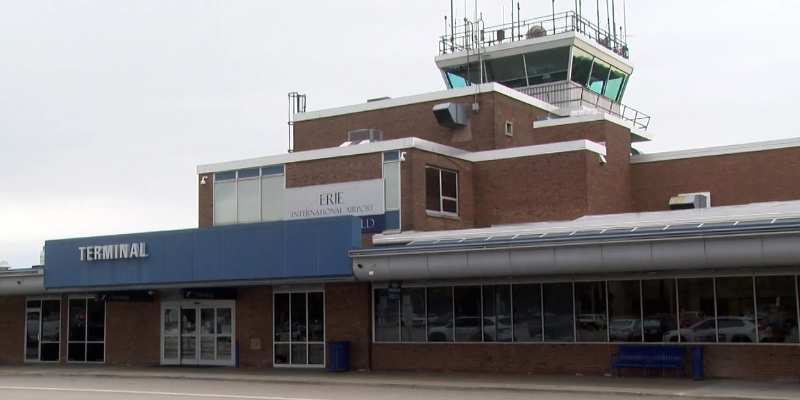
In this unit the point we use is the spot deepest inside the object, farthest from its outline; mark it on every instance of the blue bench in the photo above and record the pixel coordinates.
(649, 356)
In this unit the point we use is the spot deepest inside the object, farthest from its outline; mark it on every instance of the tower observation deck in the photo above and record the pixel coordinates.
(562, 59)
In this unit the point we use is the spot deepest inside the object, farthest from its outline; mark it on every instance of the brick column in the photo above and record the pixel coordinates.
(347, 317)
(254, 326)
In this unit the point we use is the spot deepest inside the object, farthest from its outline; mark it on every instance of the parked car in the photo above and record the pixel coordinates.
(467, 329)
(731, 329)
(625, 330)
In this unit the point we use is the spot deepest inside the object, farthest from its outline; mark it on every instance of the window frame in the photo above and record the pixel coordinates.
(442, 198)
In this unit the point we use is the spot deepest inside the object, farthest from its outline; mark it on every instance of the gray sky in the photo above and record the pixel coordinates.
(107, 107)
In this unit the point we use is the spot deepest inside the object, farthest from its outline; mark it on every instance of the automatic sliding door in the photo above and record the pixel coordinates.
(189, 336)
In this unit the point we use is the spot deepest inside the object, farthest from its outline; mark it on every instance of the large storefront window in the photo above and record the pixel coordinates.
(87, 330)
(747, 309)
(43, 330)
(299, 326)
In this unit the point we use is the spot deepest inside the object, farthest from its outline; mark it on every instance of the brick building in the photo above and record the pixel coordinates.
(505, 224)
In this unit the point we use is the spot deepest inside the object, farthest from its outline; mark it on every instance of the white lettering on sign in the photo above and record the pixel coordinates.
(113, 251)
(347, 198)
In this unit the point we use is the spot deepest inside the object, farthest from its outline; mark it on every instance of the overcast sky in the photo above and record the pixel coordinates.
(107, 107)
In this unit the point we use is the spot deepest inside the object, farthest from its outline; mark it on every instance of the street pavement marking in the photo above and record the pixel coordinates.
(218, 396)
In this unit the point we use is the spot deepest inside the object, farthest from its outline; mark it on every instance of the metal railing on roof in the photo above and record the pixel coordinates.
(471, 35)
(570, 94)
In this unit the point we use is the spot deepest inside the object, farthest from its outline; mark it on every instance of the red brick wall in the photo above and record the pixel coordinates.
(562, 359)
(133, 333)
(485, 129)
(205, 203)
(348, 316)
(334, 170)
(529, 189)
(609, 184)
(747, 362)
(254, 321)
(12, 329)
(732, 179)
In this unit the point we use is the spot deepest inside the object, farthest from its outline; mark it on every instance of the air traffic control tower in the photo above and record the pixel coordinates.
(562, 59)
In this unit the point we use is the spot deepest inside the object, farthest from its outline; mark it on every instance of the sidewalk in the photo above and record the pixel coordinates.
(632, 385)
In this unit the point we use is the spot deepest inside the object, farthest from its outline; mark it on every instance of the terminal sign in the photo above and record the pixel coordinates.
(113, 251)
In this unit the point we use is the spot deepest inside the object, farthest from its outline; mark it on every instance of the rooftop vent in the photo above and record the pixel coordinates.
(690, 200)
(535, 32)
(4, 265)
(450, 115)
(378, 99)
(361, 136)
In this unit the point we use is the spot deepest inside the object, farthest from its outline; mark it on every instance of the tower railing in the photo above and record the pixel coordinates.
(472, 36)
(570, 94)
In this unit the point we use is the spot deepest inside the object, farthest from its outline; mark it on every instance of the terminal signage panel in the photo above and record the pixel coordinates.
(130, 296)
(361, 198)
(220, 293)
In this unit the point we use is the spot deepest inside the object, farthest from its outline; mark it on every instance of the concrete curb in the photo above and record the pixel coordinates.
(401, 385)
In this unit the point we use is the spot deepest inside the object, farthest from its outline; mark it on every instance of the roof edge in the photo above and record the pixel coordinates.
(406, 143)
(717, 150)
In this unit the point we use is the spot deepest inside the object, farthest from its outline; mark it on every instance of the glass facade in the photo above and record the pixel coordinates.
(597, 75)
(744, 309)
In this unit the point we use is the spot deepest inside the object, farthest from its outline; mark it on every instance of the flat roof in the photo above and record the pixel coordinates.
(405, 143)
(727, 216)
(717, 150)
(426, 97)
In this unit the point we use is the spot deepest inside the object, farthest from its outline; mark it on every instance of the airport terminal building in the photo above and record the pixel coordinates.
(505, 224)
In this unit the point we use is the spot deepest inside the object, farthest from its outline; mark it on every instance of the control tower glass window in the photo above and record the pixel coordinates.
(463, 75)
(547, 66)
(581, 66)
(508, 71)
(613, 88)
(599, 77)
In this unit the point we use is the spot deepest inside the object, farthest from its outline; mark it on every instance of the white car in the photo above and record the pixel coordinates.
(494, 329)
(731, 329)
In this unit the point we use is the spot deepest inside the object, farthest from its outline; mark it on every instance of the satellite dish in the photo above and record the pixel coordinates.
(535, 32)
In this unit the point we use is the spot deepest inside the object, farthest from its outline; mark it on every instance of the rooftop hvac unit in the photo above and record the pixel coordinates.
(4, 265)
(690, 200)
(361, 135)
(450, 115)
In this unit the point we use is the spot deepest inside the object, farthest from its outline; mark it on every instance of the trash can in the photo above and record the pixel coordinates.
(697, 363)
(338, 356)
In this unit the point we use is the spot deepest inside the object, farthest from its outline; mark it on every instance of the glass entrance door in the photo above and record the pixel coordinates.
(299, 326)
(197, 333)
(43, 330)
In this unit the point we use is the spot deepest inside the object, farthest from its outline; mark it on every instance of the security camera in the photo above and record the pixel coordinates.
(203, 181)
(372, 272)
(403, 156)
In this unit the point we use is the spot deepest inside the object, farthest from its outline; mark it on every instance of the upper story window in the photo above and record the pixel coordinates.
(249, 195)
(441, 190)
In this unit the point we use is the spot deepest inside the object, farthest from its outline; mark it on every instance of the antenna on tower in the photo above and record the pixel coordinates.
(297, 104)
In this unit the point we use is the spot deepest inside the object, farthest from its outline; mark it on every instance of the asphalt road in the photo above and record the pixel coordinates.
(93, 388)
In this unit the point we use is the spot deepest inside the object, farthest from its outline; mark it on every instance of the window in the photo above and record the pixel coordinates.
(87, 330)
(509, 129)
(614, 86)
(527, 305)
(224, 201)
(763, 309)
(249, 195)
(272, 198)
(509, 71)
(391, 189)
(599, 76)
(581, 66)
(441, 190)
(590, 305)
(624, 311)
(547, 66)
(696, 300)
(659, 309)
(558, 312)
